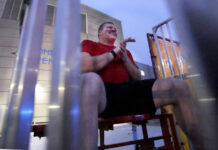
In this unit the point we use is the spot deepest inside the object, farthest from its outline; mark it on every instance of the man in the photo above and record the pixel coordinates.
(111, 86)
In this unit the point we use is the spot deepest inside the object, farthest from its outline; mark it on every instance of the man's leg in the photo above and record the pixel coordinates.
(93, 101)
(177, 93)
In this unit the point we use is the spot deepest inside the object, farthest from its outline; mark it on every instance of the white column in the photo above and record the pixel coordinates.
(18, 122)
(65, 128)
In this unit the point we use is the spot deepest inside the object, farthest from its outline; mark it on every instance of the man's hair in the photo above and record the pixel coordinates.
(102, 26)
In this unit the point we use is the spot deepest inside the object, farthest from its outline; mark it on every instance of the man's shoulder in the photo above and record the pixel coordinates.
(88, 42)
(89, 46)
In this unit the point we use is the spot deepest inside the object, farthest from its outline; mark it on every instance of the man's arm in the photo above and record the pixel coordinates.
(131, 68)
(95, 63)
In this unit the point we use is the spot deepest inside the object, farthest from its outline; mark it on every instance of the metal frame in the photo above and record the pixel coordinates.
(155, 29)
(65, 127)
(167, 52)
(167, 126)
(18, 120)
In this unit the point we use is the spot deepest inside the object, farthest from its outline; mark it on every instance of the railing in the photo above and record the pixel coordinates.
(155, 29)
(171, 54)
(65, 86)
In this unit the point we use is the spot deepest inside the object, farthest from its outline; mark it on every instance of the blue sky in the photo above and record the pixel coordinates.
(137, 18)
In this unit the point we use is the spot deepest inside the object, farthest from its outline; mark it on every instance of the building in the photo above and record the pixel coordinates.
(146, 71)
(11, 18)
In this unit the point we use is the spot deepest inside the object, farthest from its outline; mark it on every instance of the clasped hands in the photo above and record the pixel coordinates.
(121, 49)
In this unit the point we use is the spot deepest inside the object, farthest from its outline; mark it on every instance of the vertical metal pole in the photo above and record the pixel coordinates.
(12, 9)
(174, 50)
(167, 52)
(134, 134)
(20, 10)
(65, 127)
(18, 121)
(159, 53)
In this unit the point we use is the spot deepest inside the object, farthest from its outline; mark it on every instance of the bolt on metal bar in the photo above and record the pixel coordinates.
(65, 127)
(174, 50)
(18, 120)
(167, 52)
(159, 53)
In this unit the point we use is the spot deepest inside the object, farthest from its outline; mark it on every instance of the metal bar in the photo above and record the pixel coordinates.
(102, 137)
(17, 124)
(174, 133)
(161, 24)
(12, 9)
(165, 132)
(134, 134)
(153, 58)
(159, 53)
(65, 127)
(131, 142)
(174, 50)
(171, 41)
(167, 52)
(20, 9)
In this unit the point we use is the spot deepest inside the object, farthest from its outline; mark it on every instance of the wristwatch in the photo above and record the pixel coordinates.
(113, 53)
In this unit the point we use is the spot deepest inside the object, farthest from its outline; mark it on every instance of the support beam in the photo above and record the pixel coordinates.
(65, 127)
(18, 120)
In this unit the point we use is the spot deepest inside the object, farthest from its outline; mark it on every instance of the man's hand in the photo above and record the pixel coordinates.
(129, 39)
(129, 65)
(121, 49)
(123, 54)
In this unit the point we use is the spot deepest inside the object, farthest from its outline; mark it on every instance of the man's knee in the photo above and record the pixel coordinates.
(92, 80)
(93, 90)
(180, 88)
(169, 91)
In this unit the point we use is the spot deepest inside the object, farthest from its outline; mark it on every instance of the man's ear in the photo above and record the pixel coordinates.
(99, 34)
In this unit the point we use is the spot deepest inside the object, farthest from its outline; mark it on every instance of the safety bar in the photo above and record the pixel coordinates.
(159, 53)
(65, 127)
(167, 52)
(161, 24)
(166, 49)
(155, 29)
(18, 120)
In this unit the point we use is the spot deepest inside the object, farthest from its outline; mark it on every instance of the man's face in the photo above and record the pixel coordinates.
(109, 32)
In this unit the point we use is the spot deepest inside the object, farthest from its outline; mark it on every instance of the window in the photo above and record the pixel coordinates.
(50, 18)
(83, 23)
(50, 15)
(142, 72)
(12, 9)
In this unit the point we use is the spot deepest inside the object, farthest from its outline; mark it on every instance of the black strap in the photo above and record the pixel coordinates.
(113, 53)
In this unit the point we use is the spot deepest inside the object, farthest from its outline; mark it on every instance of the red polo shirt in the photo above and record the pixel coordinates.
(115, 71)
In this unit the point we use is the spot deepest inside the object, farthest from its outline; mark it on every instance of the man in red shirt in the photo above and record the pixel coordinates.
(112, 87)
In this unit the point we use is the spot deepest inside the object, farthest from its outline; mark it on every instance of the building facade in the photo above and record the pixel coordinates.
(11, 18)
(146, 71)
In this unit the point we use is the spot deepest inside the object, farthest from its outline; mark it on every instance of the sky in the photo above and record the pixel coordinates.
(137, 18)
